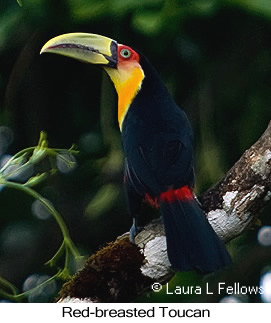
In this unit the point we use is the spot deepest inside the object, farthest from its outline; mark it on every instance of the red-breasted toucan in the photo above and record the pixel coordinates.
(158, 145)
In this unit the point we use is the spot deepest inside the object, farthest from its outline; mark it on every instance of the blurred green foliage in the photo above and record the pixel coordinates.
(215, 57)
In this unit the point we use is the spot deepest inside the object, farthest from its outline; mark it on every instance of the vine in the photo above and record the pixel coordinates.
(17, 164)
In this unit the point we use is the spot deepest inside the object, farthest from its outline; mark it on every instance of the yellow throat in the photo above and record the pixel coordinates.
(127, 79)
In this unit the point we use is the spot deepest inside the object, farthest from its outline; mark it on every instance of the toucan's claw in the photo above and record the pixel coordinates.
(134, 231)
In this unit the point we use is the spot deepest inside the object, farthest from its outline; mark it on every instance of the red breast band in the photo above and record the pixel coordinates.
(180, 194)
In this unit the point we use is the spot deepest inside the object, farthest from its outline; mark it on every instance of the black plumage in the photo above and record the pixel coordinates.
(158, 144)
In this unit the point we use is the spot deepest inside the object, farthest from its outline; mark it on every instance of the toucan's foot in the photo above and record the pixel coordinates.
(134, 231)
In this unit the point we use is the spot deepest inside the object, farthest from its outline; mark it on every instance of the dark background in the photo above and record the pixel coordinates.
(214, 56)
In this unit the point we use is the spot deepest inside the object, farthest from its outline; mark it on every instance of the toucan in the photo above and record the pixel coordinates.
(157, 141)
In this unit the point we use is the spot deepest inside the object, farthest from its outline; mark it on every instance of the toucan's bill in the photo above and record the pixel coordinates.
(89, 48)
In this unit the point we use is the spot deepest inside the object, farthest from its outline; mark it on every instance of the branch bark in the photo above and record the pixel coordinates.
(121, 271)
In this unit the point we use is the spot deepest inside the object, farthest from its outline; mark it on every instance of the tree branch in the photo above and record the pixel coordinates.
(121, 271)
(234, 203)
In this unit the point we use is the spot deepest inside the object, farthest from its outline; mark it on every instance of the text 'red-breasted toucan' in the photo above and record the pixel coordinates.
(158, 145)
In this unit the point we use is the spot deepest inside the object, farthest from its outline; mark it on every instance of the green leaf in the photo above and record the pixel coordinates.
(92, 10)
(262, 7)
(36, 179)
(103, 200)
(147, 22)
(20, 3)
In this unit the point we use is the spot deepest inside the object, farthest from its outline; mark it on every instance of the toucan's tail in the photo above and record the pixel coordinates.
(192, 243)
